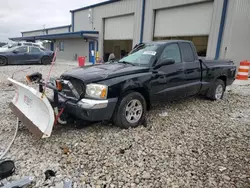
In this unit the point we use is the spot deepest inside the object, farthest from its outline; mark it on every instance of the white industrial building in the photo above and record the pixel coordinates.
(218, 28)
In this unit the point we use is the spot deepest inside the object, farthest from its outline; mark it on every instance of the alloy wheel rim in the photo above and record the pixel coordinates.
(133, 111)
(219, 92)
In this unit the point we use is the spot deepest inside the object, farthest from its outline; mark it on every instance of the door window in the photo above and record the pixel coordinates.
(22, 49)
(172, 51)
(34, 50)
(187, 52)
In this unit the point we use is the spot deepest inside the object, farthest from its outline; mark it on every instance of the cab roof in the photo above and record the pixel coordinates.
(166, 41)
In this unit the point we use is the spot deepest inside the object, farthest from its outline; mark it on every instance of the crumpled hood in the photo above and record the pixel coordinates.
(102, 72)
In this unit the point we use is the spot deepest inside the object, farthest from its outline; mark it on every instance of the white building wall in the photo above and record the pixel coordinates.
(214, 30)
(236, 36)
(99, 13)
(58, 30)
(235, 41)
(34, 33)
(71, 48)
(50, 31)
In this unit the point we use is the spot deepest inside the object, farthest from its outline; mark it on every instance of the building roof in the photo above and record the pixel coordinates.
(78, 34)
(95, 5)
(59, 27)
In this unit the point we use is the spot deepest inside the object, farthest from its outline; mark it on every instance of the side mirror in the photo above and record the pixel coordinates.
(15, 52)
(163, 62)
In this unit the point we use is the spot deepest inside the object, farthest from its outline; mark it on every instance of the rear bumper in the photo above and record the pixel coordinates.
(90, 109)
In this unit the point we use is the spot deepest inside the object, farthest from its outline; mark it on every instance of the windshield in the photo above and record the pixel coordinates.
(142, 55)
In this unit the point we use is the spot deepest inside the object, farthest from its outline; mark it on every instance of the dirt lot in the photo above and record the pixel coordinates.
(197, 143)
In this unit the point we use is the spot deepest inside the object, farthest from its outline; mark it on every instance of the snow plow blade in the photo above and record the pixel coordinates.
(33, 109)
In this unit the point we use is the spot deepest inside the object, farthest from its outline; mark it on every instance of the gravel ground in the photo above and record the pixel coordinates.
(189, 143)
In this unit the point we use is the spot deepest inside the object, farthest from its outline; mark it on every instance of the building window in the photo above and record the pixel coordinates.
(61, 46)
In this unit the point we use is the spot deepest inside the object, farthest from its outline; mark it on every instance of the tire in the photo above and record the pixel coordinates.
(218, 86)
(45, 60)
(3, 61)
(122, 114)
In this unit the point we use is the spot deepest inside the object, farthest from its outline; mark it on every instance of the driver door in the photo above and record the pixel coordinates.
(168, 80)
(19, 55)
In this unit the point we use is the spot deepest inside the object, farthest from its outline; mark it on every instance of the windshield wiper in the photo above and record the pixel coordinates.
(126, 62)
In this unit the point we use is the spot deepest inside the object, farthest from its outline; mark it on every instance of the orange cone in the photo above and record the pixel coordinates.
(243, 71)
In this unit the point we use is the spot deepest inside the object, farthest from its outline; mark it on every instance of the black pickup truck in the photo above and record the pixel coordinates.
(123, 91)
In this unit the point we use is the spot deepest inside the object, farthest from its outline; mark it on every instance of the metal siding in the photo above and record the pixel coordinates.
(226, 39)
(119, 8)
(153, 5)
(81, 21)
(119, 28)
(72, 47)
(236, 38)
(56, 31)
(94, 5)
(34, 33)
(214, 31)
(191, 20)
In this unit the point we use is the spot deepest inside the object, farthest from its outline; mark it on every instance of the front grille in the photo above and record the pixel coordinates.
(73, 88)
(78, 85)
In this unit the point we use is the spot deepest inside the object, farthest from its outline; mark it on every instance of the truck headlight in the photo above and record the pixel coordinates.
(97, 91)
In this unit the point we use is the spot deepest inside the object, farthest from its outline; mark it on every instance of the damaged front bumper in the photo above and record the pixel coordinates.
(38, 112)
(89, 109)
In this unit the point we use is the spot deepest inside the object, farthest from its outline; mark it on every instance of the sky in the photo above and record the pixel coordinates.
(25, 15)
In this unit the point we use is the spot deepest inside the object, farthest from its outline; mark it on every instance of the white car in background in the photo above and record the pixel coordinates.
(11, 45)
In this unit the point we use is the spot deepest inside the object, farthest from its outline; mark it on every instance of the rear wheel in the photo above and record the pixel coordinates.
(130, 110)
(46, 60)
(3, 61)
(216, 92)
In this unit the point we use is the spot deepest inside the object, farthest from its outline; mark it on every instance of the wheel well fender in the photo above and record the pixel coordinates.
(223, 78)
(143, 91)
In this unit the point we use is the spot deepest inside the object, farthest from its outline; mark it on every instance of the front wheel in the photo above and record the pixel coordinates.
(46, 60)
(130, 110)
(216, 92)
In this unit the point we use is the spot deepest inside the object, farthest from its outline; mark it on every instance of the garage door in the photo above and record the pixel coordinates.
(119, 28)
(188, 20)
